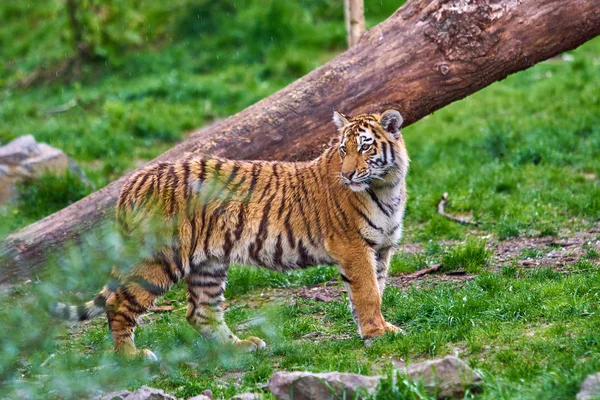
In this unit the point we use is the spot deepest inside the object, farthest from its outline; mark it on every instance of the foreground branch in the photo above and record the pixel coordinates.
(425, 56)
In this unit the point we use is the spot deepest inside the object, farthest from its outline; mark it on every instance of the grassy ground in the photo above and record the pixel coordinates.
(522, 155)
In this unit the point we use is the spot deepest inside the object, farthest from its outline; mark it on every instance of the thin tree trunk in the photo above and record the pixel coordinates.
(425, 56)
(354, 13)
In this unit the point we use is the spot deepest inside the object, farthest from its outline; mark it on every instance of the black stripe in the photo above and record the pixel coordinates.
(221, 274)
(363, 216)
(126, 317)
(382, 206)
(212, 304)
(304, 257)
(392, 152)
(100, 301)
(266, 189)
(148, 286)
(345, 278)
(173, 182)
(227, 246)
(225, 202)
(288, 230)
(209, 231)
(384, 151)
(368, 241)
(256, 169)
(341, 213)
(263, 229)
(82, 312)
(135, 305)
(240, 222)
(278, 256)
(139, 188)
(304, 219)
(193, 240)
(198, 283)
(186, 177)
(165, 263)
(281, 207)
(160, 170)
(127, 187)
(178, 261)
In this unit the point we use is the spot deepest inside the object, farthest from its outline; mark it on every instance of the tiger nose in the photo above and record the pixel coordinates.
(348, 174)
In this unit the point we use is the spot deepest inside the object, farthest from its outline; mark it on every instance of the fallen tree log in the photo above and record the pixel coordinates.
(428, 54)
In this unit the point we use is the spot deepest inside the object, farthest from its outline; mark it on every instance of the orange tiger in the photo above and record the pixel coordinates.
(344, 208)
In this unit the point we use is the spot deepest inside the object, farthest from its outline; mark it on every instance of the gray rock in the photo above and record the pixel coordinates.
(590, 389)
(245, 396)
(148, 393)
(120, 395)
(49, 160)
(331, 385)
(446, 378)
(24, 159)
(200, 397)
(18, 150)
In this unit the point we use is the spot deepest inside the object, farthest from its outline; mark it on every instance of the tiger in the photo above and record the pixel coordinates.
(344, 208)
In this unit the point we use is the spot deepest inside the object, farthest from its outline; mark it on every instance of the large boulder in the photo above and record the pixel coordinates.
(590, 390)
(24, 158)
(330, 385)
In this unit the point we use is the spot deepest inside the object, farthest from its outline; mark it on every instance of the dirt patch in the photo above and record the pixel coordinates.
(549, 251)
(556, 252)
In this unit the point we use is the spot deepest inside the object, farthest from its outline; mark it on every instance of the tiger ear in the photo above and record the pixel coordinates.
(340, 120)
(391, 121)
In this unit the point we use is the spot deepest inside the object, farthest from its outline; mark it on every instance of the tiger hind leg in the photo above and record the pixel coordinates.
(136, 293)
(206, 285)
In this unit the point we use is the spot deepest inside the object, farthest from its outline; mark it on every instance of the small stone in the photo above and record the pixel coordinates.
(309, 386)
(590, 389)
(148, 393)
(18, 150)
(120, 395)
(245, 396)
(446, 377)
(200, 397)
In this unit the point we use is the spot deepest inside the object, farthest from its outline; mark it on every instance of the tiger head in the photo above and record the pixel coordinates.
(370, 147)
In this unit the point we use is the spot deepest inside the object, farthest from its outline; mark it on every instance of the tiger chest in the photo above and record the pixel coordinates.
(382, 222)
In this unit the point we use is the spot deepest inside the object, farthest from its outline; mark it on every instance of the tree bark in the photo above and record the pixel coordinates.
(428, 54)
(354, 14)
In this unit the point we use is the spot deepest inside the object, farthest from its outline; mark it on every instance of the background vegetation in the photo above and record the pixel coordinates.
(522, 155)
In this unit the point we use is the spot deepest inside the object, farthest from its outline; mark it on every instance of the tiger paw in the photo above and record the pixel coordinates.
(392, 328)
(251, 343)
(148, 355)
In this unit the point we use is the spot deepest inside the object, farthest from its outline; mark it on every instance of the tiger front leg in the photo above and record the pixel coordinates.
(358, 269)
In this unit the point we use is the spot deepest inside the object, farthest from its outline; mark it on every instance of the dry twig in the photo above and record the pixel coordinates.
(442, 205)
(422, 272)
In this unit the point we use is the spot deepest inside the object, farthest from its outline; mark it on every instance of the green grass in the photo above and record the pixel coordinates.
(532, 334)
(523, 156)
(472, 256)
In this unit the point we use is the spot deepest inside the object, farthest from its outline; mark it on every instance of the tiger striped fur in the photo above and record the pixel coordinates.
(344, 208)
